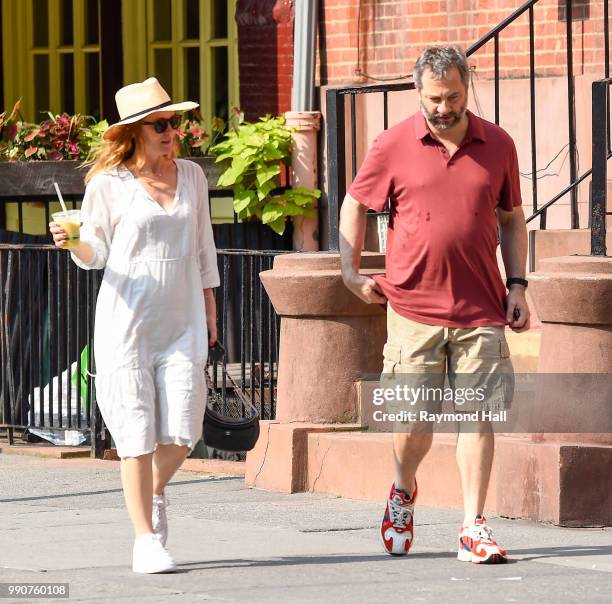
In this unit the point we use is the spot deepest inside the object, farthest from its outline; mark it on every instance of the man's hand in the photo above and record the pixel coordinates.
(517, 310)
(365, 288)
(352, 233)
(513, 243)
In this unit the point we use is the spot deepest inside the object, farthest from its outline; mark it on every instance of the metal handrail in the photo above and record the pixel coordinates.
(401, 86)
(500, 27)
(336, 120)
(565, 191)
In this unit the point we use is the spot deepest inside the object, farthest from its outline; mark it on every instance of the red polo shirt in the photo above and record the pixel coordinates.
(441, 266)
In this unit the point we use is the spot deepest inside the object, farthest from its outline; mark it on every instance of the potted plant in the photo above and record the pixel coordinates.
(62, 140)
(256, 154)
(194, 142)
(33, 156)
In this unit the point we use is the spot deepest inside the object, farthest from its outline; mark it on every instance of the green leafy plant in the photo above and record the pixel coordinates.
(256, 153)
(59, 137)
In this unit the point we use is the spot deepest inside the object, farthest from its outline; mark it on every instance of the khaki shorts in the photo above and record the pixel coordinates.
(464, 369)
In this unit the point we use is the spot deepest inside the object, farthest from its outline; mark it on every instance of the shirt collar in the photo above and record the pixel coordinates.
(475, 129)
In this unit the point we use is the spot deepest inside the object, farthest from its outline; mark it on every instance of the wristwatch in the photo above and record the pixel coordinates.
(516, 281)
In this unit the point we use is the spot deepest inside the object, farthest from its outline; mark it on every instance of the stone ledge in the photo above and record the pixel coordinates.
(562, 483)
(215, 466)
(279, 460)
(50, 451)
(361, 466)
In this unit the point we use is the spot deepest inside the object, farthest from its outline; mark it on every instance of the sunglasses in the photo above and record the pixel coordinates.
(161, 125)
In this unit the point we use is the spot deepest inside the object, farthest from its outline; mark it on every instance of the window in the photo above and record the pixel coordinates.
(51, 60)
(580, 10)
(55, 56)
(189, 45)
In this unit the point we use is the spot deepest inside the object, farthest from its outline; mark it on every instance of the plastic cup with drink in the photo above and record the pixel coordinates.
(69, 220)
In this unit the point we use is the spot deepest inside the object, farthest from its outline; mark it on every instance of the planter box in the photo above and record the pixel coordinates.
(35, 178)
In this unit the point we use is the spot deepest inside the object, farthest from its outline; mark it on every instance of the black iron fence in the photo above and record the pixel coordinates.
(47, 308)
(601, 155)
(336, 103)
(46, 328)
(250, 330)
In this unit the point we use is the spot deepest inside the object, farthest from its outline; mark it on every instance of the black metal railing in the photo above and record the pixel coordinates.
(47, 308)
(250, 331)
(601, 154)
(46, 328)
(337, 113)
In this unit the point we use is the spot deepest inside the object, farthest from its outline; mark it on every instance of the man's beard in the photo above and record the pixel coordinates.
(440, 124)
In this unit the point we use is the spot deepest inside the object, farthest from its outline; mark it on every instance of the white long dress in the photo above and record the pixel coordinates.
(150, 338)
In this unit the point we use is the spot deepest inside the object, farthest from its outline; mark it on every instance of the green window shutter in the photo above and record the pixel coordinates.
(191, 46)
(54, 52)
(51, 51)
(134, 37)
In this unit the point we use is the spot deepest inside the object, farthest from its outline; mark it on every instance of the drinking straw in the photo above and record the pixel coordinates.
(59, 195)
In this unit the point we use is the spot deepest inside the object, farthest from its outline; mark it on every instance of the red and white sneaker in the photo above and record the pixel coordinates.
(476, 544)
(396, 530)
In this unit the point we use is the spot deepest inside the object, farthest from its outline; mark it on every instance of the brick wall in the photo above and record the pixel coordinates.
(382, 38)
(265, 55)
(362, 41)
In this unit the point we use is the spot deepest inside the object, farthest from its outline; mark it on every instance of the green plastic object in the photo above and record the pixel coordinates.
(82, 383)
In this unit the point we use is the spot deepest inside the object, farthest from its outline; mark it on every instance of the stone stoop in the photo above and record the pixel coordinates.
(342, 460)
(279, 461)
(560, 483)
(361, 466)
(553, 243)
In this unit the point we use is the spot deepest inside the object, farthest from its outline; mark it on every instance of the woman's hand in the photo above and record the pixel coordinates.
(81, 250)
(212, 333)
(211, 316)
(60, 237)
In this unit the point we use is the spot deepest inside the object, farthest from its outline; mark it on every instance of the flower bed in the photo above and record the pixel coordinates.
(250, 160)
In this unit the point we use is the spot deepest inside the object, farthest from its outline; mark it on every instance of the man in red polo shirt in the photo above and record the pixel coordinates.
(451, 178)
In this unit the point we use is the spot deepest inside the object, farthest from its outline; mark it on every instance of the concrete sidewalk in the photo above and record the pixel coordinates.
(64, 521)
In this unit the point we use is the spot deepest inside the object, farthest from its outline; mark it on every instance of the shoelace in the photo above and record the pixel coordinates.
(400, 514)
(482, 532)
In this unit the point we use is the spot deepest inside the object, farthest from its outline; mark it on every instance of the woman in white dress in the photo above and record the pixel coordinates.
(145, 220)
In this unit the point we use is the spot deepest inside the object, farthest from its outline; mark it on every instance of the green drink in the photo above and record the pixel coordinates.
(70, 221)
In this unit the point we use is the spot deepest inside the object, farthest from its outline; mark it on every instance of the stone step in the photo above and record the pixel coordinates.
(525, 482)
(361, 466)
(552, 243)
(46, 450)
(525, 479)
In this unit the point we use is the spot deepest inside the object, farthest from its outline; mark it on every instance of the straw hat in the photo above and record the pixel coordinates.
(136, 101)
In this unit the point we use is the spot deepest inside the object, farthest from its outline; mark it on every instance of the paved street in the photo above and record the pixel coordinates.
(63, 520)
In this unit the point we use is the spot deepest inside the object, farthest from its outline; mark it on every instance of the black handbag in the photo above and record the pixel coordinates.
(229, 433)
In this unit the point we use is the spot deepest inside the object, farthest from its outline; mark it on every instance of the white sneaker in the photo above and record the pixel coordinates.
(159, 519)
(150, 556)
